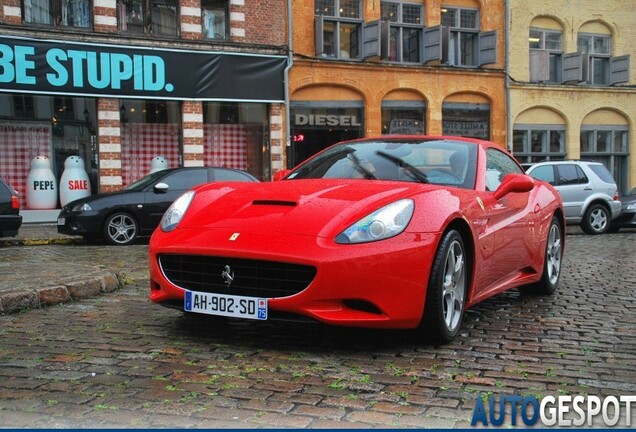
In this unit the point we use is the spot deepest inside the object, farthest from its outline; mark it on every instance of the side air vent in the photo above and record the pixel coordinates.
(275, 203)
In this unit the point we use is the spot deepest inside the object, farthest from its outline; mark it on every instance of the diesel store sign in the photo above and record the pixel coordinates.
(326, 120)
(69, 68)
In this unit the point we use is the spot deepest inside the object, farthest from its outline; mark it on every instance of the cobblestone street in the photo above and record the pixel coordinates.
(117, 360)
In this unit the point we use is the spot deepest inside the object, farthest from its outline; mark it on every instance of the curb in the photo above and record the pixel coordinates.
(41, 242)
(90, 286)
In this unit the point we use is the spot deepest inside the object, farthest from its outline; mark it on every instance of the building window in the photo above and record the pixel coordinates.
(538, 143)
(599, 48)
(610, 146)
(58, 13)
(236, 135)
(466, 119)
(463, 49)
(545, 55)
(405, 31)
(158, 17)
(149, 129)
(403, 118)
(214, 19)
(338, 27)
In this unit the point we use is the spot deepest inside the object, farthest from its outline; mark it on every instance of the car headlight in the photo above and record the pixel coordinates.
(382, 224)
(631, 207)
(175, 212)
(81, 207)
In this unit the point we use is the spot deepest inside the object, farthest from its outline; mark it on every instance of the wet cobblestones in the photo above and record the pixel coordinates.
(116, 360)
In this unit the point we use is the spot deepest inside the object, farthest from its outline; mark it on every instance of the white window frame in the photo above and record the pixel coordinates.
(528, 154)
(545, 62)
(458, 35)
(320, 19)
(400, 26)
(596, 59)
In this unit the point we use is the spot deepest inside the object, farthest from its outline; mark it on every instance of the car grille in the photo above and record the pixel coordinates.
(253, 278)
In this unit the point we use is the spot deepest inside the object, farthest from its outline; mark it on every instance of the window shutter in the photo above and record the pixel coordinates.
(385, 39)
(488, 47)
(319, 35)
(371, 39)
(539, 65)
(572, 67)
(619, 69)
(432, 44)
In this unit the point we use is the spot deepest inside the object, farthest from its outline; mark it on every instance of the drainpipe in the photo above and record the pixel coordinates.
(507, 71)
(290, 62)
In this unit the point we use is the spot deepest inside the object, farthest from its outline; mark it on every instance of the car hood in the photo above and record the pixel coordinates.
(311, 207)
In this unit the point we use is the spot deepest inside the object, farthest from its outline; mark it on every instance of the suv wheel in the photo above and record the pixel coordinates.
(596, 219)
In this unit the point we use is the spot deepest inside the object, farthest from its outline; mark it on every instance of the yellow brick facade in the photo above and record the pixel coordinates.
(574, 106)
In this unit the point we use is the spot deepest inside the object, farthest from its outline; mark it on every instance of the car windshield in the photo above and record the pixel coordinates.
(445, 162)
(143, 182)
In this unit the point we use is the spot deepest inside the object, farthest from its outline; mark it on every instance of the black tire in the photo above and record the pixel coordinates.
(120, 229)
(596, 220)
(552, 262)
(446, 293)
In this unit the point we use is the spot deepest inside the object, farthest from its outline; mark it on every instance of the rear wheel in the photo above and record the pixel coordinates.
(596, 219)
(446, 293)
(552, 262)
(120, 229)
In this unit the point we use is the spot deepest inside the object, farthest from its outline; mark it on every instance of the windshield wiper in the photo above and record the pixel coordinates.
(358, 166)
(408, 168)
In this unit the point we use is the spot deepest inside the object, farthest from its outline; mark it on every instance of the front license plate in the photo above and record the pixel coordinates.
(61, 221)
(225, 305)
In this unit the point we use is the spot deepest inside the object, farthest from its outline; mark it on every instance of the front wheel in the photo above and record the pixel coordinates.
(552, 262)
(120, 229)
(446, 293)
(596, 219)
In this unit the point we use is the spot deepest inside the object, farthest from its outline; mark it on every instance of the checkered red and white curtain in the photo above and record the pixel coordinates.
(141, 142)
(20, 143)
(225, 145)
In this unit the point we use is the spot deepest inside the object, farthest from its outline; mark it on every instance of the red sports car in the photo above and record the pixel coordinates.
(390, 232)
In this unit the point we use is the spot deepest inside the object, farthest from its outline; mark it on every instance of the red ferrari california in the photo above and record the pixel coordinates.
(390, 232)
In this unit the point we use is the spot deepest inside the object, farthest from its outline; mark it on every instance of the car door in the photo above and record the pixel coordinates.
(178, 182)
(574, 188)
(508, 221)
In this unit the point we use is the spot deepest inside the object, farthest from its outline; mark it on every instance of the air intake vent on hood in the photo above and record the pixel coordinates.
(275, 203)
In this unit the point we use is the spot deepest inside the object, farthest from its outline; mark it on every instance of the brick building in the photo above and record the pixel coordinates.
(384, 67)
(117, 82)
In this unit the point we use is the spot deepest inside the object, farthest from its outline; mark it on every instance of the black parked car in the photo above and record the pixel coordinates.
(627, 218)
(121, 217)
(10, 219)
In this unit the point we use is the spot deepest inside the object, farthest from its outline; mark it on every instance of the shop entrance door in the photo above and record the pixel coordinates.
(308, 142)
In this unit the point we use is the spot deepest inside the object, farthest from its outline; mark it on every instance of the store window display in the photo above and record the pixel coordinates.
(51, 127)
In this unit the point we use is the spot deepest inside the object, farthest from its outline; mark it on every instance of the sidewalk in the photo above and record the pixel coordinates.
(40, 267)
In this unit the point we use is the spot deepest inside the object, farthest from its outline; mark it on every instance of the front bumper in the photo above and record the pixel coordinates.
(381, 284)
(625, 220)
(79, 224)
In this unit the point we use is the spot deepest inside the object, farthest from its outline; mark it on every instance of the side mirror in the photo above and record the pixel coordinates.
(161, 188)
(281, 174)
(518, 183)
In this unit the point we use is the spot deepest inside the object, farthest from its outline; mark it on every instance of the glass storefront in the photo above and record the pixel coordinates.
(55, 127)
(470, 120)
(235, 135)
(317, 125)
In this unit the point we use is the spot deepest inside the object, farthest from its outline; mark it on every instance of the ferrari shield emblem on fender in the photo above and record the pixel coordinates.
(228, 275)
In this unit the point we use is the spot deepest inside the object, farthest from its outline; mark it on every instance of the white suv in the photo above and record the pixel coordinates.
(588, 190)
